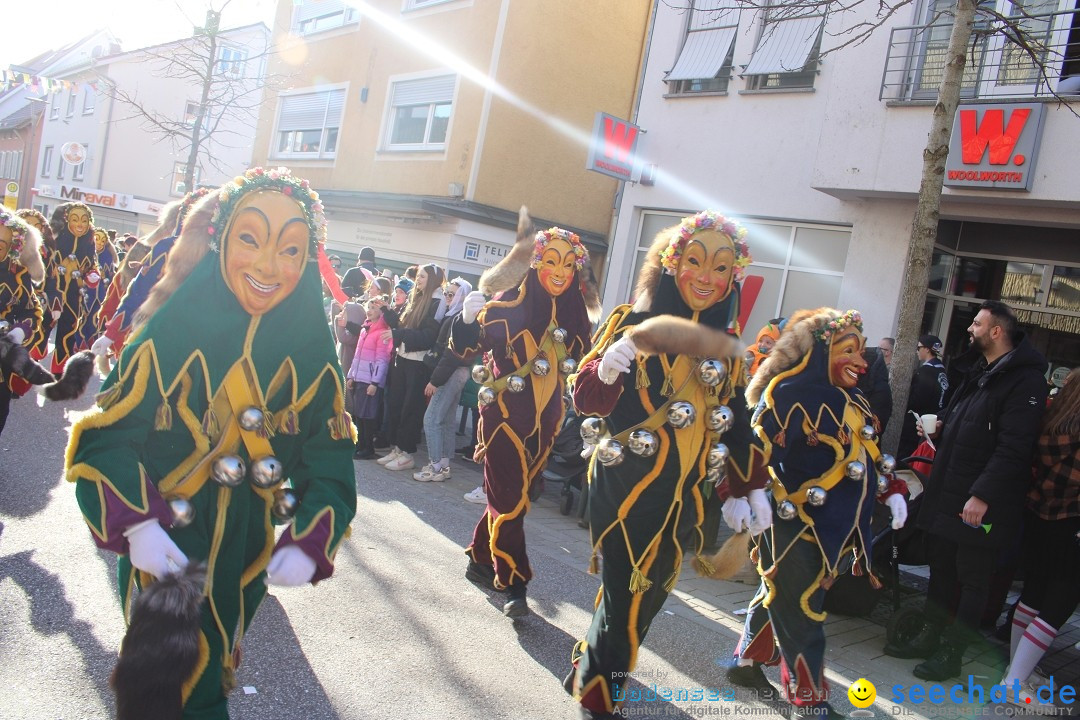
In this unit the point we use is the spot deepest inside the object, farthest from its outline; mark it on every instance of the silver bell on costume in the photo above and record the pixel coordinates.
(567, 366)
(816, 496)
(714, 475)
(786, 510)
(266, 472)
(485, 396)
(717, 456)
(480, 374)
(515, 383)
(183, 512)
(609, 452)
(882, 485)
(592, 429)
(642, 442)
(886, 464)
(285, 504)
(558, 335)
(681, 414)
(712, 372)
(228, 470)
(855, 470)
(251, 419)
(721, 418)
(867, 433)
(541, 367)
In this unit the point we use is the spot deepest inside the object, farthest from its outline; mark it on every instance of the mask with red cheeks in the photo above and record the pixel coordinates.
(557, 266)
(265, 249)
(78, 221)
(705, 269)
(846, 361)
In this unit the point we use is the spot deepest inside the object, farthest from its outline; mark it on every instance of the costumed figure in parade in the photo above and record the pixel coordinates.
(763, 344)
(107, 263)
(223, 416)
(667, 427)
(144, 276)
(826, 474)
(46, 290)
(76, 275)
(535, 328)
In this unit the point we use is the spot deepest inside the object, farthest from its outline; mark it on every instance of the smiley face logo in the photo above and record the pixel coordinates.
(862, 693)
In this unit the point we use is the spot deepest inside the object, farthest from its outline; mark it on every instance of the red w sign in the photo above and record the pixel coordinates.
(976, 138)
(613, 149)
(994, 146)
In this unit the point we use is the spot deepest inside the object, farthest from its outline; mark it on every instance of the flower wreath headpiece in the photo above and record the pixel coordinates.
(707, 220)
(546, 236)
(18, 228)
(837, 324)
(187, 203)
(280, 179)
(78, 206)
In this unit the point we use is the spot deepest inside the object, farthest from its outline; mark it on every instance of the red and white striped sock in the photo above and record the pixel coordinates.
(1022, 617)
(1033, 645)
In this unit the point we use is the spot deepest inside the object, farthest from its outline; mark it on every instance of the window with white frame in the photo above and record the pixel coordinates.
(418, 4)
(420, 113)
(317, 15)
(231, 61)
(71, 103)
(60, 165)
(54, 109)
(787, 51)
(89, 100)
(78, 171)
(308, 124)
(704, 62)
(179, 186)
(801, 264)
(191, 113)
(46, 161)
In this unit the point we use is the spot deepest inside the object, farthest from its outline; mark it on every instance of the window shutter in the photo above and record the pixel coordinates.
(318, 8)
(703, 54)
(335, 108)
(785, 46)
(424, 91)
(302, 112)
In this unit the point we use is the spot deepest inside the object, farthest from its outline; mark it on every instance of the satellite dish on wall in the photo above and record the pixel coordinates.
(73, 153)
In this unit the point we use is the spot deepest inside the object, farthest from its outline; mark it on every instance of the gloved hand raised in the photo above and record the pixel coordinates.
(471, 306)
(616, 359)
(762, 509)
(289, 567)
(898, 505)
(101, 346)
(151, 550)
(736, 512)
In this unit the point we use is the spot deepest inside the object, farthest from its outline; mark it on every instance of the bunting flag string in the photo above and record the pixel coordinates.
(40, 83)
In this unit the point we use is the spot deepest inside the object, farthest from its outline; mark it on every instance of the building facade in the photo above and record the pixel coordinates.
(426, 124)
(821, 157)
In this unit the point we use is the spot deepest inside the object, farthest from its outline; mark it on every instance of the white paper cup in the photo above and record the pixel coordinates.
(929, 424)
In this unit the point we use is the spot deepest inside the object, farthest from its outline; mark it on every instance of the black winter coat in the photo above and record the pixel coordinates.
(874, 384)
(928, 390)
(448, 361)
(986, 446)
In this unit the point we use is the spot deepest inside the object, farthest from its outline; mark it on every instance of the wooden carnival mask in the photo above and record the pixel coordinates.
(78, 221)
(846, 361)
(100, 238)
(7, 237)
(705, 269)
(557, 266)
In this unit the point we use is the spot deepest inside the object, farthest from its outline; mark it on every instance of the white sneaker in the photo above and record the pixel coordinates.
(428, 473)
(403, 461)
(477, 496)
(1028, 699)
(389, 457)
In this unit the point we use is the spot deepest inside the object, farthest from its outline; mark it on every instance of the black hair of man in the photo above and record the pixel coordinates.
(1003, 317)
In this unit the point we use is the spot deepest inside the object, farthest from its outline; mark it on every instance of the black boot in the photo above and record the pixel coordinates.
(748, 676)
(516, 606)
(482, 575)
(945, 663)
(922, 646)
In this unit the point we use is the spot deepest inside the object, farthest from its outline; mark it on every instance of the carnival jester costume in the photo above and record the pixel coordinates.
(106, 261)
(20, 267)
(47, 287)
(827, 473)
(76, 271)
(227, 393)
(661, 377)
(534, 332)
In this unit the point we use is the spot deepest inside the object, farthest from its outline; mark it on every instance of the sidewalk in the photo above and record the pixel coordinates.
(854, 647)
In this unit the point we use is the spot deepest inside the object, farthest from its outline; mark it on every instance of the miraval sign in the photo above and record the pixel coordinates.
(90, 196)
(994, 146)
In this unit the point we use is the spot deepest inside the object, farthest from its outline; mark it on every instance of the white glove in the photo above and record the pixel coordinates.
(55, 314)
(152, 550)
(17, 335)
(898, 505)
(736, 512)
(289, 567)
(101, 346)
(471, 306)
(616, 359)
(762, 510)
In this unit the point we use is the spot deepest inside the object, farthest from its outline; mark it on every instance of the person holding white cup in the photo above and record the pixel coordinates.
(929, 389)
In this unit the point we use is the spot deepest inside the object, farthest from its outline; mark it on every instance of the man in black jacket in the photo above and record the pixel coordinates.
(355, 281)
(975, 496)
(928, 391)
(874, 384)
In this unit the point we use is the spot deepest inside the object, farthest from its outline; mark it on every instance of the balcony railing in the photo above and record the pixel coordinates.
(997, 66)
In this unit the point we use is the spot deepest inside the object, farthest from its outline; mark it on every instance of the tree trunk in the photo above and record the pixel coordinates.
(196, 129)
(925, 225)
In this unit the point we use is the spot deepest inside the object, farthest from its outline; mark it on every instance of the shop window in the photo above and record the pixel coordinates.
(786, 56)
(308, 124)
(1065, 289)
(704, 62)
(420, 113)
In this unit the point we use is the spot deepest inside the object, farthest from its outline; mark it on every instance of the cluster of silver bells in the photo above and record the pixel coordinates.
(644, 443)
(516, 383)
(284, 508)
(855, 470)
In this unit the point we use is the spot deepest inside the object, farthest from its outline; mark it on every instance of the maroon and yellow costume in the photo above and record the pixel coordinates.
(19, 306)
(76, 260)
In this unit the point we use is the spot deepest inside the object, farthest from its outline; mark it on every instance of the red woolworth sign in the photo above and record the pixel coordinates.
(613, 150)
(994, 146)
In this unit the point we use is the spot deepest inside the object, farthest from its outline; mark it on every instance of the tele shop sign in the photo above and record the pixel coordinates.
(995, 146)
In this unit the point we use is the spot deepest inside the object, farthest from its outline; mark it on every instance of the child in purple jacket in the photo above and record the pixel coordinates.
(367, 376)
